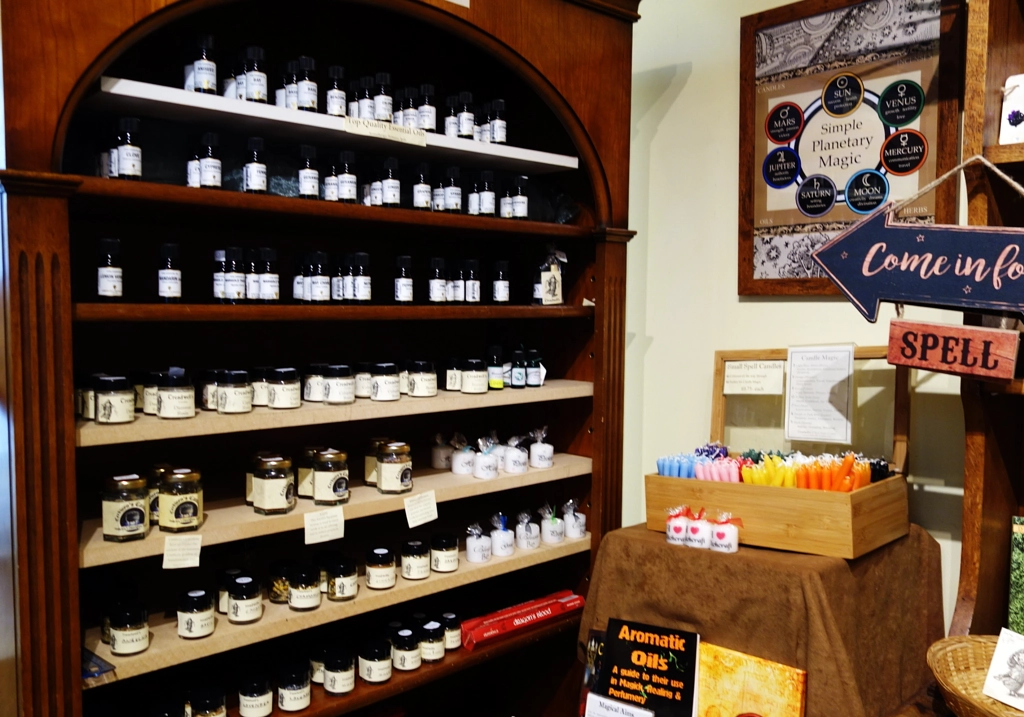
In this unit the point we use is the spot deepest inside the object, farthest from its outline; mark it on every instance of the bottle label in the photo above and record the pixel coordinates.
(260, 393)
(254, 178)
(365, 108)
(345, 586)
(256, 86)
(438, 199)
(428, 118)
(176, 402)
(338, 288)
(382, 110)
(108, 281)
(474, 203)
(115, 407)
(403, 289)
(273, 493)
(432, 650)
(218, 285)
(291, 96)
(339, 683)
(392, 190)
(240, 86)
(458, 290)
(209, 172)
(330, 486)
(309, 183)
(192, 173)
(421, 196)
(487, 203)
(384, 388)
(210, 396)
(533, 376)
(347, 187)
(438, 290)
(477, 132)
(336, 105)
(112, 162)
(415, 567)
(294, 700)
(260, 706)
(501, 291)
(304, 597)
(474, 382)
(349, 287)
(444, 561)
(538, 292)
(380, 578)
(205, 75)
(281, 97)
(375, 670)
(169, 283)
(129, 642)
(305, 482)
(377, 194)
(498, 130)
(473, 291)
(269, 287)
(505, 207)
(551, 285)
(453, 199)
(485, 133)
(394, 477)
(519, 205)
(518, 376)
(451, 126)
(396, 117)
(284, 395)
(125, 517)
(234, 286)
(129, 161)
(149, 394)
(340, 389)
(331, 189)
(353, 109)
(297, 286)
(181, 511)
(234, 399)
(190, 77)
(307, 288)
(252, 286)
(411, 118)
(422, 385)
(406, 659)
(452, 638)
(307, 95)
(453, 380)
(466, 124)
(361, 288)
(495, 377)
(195, 624)
(245, 610)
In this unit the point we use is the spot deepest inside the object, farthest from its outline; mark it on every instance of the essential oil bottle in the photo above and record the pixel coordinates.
(382, 102)
(254, 173)
(335, 95)
(403, 280)
(348, 185)
(467, 120)
(129, 153)
(437, 282)
(291, 84)
(391, 187)
(309, 177)
(307, 91)
(500, 284)
(168, 275)
(255, 75)
(109, 275)
(410, 112)
(204, 69)
(520, 203)
(453, 191)
(421, 191)
(366, 97)
(451, 118)
(209, 161)
(427, 110)
(353, 98)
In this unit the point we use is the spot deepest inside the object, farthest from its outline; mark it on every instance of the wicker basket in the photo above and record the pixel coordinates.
(960, 665)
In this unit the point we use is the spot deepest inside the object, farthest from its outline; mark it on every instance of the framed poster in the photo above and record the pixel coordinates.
(841, 109)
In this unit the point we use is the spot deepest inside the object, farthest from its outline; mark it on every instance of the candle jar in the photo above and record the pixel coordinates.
(422, 379)
(330, 477)
(339, 385)
(463, 462)
(542, 455)
(478, 548)
(725, 538)
(380, 569)
(364, 381)
(517, 460)
(304, 474)
(195, 615)
(234, 393)
(527, 536)
(575, 525)
(441, 457)
(125, 509)
(444, 553)
(227, 579)
(181, 501)
(432, 642)
(175, 396)
(129, 629)
(115, 400)
(342, 580)
(474, 376)
(313, 383)
(339, 672)
(552, 530)
(255, 697)
(452, 631)
(293, 688)
(415, 560)
(244, 603)
(698, 535)
(284, 390)
(375, 661)
(273, 485)
(260, 387)
(150, 388)
(503, 543)
(384, 383)
(676, 528)
(394, 469)
(207, 703)
(485, 466)
(304, 589)
(406, 652)
(279, 578)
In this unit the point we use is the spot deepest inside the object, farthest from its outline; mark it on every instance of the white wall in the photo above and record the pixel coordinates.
(682, 303)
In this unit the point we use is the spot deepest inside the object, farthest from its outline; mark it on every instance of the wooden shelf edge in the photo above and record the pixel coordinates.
(167, 649)
(240, 522)
(1004, 153)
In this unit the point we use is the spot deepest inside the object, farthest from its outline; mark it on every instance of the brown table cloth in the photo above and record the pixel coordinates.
(860, 628)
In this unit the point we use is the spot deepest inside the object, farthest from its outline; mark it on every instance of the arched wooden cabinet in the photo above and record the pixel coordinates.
(563, 67)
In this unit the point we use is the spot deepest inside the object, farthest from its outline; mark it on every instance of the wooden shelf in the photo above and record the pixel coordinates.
(231, 520)
(167, 649)
(1005, 153)
(302, 312)
(195, 108)
(325, 705)
(150, 428)
(1009, 388)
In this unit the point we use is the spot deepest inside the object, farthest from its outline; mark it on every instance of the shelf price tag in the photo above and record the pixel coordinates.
(421, 508)
(182, 551)
(325, 525)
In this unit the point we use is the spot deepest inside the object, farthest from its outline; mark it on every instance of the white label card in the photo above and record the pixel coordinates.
(325, 525)
(182, 551)
(463, 3)
(754, 377)
(1004, 672)
(386, 130)
(819, 394)
(421, 508)
(598, 706)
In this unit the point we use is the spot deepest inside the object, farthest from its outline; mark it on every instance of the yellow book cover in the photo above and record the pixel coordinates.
(732, 684)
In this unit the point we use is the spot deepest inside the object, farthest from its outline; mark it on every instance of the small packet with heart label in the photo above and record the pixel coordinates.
(725, 533)
(677, 525)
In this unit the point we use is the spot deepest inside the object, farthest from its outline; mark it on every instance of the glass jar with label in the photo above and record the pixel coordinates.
(487, 197)
(207, 385)
(406, 653)
(156, 478)
(125, 508)
(452, 631)
(284, 389)
(518, 378)
(226, 580)
(339, 672)
(304, 474)
(474, 376)
(207, 703)
(254, 172)
(168, 274)
(432, 642)
(273, 485)
(384, 385)
(293, 688)
(375, 661)
(279, 578)
(309, 176)
(422, 379)
(304, 588)
(444, 553)
(316, 664)
(500, 292)
(255, 696)
(244, 602)
(339, 385)
(364, 381)
(195, 615)
(415, 560)
(330, 477)
(370, 460)
(342, 580)
(234, 393)
(361, 281)
(129, 629)
(534, 369)
(181, 501)
(260, 387)
(313, 383)
(150, 387)
(129, 152)
(451, 379)
(115, 399)
(394, 468)
(380, 569)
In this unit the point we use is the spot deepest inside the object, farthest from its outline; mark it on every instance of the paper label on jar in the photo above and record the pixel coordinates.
(452, 638)
(192, 173)
(519, 207)
(406, 659)
(500, 291)
(252, 286)
(473, 206)
(458, 290)
(382, 110)
(260, 393)
(432, 650)
(415, 567)
(190, 77)
(380, 578)
(438, 290)
(444, 561)
(218, 285)
(254, 177)
(347, 186)
(234, 286)
(168, 283)
(122, 518)
(453, 380)
(284, 395)
(129, 642)
(313, 389)
(384, 388)
(340, 389)
(394, 477)
(330, 485)
(129, 161)
(345, 586)
(453, 199)
(256, 86)
(505, 207)
(363, 385)
(362, 288)
(466, 122)
(304, 598)
(176, 402)
(109, 281)
(428, 118)
(499, 130)
(115, 407)
(403, 289)
(487, 203)
(240, 86)
(149, 400)
(473, 291)
(474, 382)
(339, 683)
(281, 97)
(181, 511)
(338, 288)
(195, 624)
(209, 172)
(307, 95)
(451, 126)
(204, 75)
(478, 133)
(234, 399)
(421, 196)
(422, 385)
(309, 183)
(291, 96)
(411, 118)
(269, 287)
(336, 104)
(320, 288)
(112, 162)
(437, 197)
(375, 670)
(246, 610)
(353, 108)
(273, 493)
(370, 470)
(293, 700)
(365, 108)
(391, 189)
(331, 188)
(305, 482)
(376, 194)
(259, 706)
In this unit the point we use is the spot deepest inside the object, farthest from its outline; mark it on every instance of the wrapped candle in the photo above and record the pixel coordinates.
(575, 522)
(478, 545)
(441, 455)
(527, 533)
(698, 533)
(725, 534)
(517, 459)
(677, 525)
(552, 528)
(542, 455)
(485, 463)
(502, 539)
(463, 456)
(498, 450)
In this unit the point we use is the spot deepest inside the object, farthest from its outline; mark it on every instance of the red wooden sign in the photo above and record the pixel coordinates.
(962, 350)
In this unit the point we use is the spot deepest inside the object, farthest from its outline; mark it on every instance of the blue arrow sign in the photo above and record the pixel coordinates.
(876, 260)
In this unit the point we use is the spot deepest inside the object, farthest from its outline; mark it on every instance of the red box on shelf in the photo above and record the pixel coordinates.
(497, 625)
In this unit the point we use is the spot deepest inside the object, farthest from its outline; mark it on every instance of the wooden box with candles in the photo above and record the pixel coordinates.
(818, 522)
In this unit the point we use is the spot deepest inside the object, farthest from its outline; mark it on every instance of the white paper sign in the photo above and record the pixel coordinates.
(819, 394)
(598, 706)
(1005, 680)
(421, 508)
(386, 130)
(182, 551)
(463, 3)
(754, 377)
(324, 525)
(1013, 102)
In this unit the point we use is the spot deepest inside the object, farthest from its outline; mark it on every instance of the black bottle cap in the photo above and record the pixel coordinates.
(391, 163)
(473, 265)
(128, 124)
(501, 265)
(336, 72)
(244, 587)
(485, 109)
(423, 170)
(307, 63)
(338, 370)
(319, 258)
(450, 620)
(284, 374)
(348, 157)
(363, 367)
(465, 98)
(366, 82)
(420, 619)
(306, 575)
(498, 105)
(385, 369)
(206, 700)
(112, 383)
(432, 631)
(268, 254)
(518, 355)
(451, 101)
(473, 365)
(127, 613)
(195, 601)
(383, 78)
(316, 369)
(211, 139)
(427, 90)
(293, 673)
(394, 626)
(521, 181)
(291, 68)
(253, 685)
(167, 709)
(175, 377)
(252, 254)
(533, 354)
(452, 173)
(374, 650)
(421, 367)
(255, 144)
(361, 259)
(233, 253)
(341, 566)
(353, 87)
(415, 547)
(437, 263)
(205, 42)
(254, 53)
(227, 577)
(338, 659)
(110, 246)
(282, 569)
(307, 151)
(405, 640)
(403, 262)
(444, 541)
(235, 377)
(495, 351)
(379, 556)
(210, 375)
(260, 373)
(487, 176)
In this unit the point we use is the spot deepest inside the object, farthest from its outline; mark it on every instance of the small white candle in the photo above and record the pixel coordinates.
(462, 462)
(527, 536)
(542, 455)
(485, 466)
(502, 543)
(478, 549)
(517, 460)
(552, 530)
